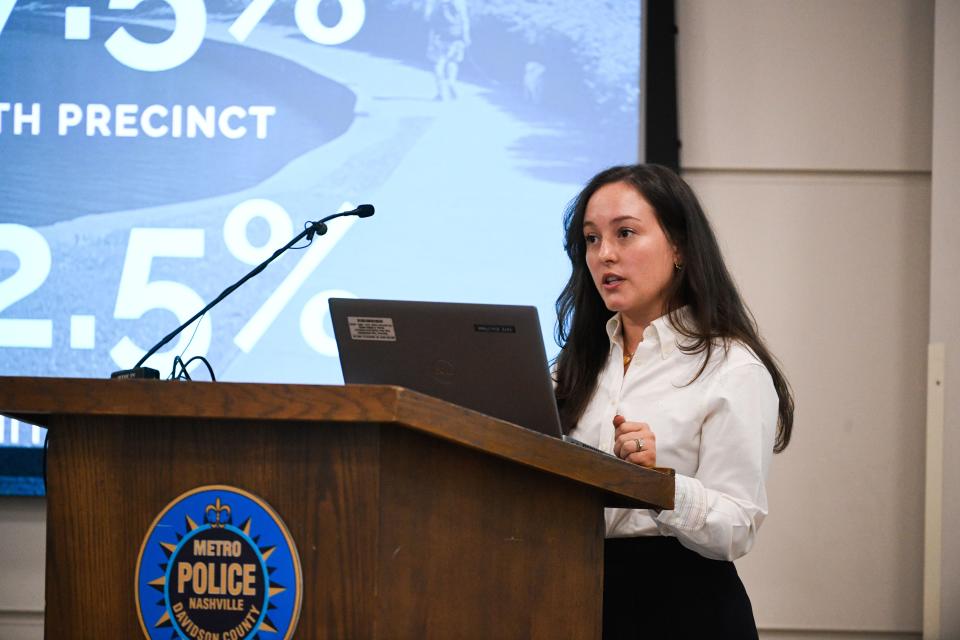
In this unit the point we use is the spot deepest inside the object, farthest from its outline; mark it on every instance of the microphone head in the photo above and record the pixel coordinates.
(364, 211)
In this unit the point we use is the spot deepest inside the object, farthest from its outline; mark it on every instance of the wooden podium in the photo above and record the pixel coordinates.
(413, 518)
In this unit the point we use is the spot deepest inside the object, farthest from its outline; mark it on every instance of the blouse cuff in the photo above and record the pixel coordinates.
(690, 506)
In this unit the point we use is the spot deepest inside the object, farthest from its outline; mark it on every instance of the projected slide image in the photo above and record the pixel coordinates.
(154, 154)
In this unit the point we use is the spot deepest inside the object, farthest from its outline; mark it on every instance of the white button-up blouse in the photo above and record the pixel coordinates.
(717, 432)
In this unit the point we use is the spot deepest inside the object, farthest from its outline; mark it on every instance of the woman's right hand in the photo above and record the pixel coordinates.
(634, 442)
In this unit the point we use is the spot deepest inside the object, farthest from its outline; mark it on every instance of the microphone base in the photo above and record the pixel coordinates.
(140, 373)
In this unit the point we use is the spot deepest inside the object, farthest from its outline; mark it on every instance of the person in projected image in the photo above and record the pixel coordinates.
(447, 42)
(661, 364)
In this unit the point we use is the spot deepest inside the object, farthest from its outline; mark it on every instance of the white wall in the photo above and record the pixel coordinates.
(806, 129)
(945, 313)
(806, 84)
(23, 535)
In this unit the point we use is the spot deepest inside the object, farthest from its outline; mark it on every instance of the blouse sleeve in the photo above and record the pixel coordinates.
(719, 509)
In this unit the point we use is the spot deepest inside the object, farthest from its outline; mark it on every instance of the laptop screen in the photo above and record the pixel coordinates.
(489, 358)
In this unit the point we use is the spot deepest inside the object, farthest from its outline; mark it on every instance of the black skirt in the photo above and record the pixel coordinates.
(655, 588)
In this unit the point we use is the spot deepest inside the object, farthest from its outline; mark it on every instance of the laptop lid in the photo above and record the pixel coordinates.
(489, 358)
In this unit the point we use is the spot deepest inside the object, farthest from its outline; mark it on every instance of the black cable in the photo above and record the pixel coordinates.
(196, 327)
(213, 378)
(184, 374)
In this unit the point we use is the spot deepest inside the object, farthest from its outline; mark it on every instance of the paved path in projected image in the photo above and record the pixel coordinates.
(395, 102)
(449, 191)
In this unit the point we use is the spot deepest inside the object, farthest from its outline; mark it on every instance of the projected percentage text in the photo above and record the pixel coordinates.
(190, 25)
(138, 293)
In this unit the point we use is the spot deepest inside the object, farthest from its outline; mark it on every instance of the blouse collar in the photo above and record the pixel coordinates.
(661, 330)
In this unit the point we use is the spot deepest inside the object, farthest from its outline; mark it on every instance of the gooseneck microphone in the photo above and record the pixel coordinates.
(317, 228)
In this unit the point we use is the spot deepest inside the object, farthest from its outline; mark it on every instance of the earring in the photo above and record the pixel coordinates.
(677, 266)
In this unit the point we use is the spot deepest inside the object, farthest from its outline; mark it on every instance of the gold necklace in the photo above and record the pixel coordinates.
(627, 357)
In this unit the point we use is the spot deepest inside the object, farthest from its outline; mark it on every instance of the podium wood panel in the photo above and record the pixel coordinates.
(107, 482)
(413, 518)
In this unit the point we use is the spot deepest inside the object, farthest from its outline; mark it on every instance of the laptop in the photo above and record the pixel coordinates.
(489, 358)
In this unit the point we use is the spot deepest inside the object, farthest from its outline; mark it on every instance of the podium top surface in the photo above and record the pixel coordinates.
(41, 400)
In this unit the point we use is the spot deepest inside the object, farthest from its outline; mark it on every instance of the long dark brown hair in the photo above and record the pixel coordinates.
(715, 312)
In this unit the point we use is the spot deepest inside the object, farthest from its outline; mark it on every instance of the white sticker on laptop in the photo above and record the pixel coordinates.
(376, 329)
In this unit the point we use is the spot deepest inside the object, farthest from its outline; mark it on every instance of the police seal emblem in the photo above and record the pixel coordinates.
(218, 564)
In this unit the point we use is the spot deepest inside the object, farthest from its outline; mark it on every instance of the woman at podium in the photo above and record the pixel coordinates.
(662, 365)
